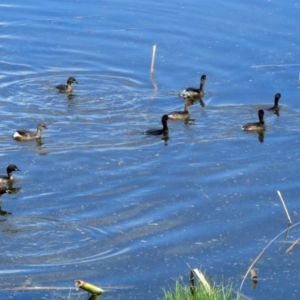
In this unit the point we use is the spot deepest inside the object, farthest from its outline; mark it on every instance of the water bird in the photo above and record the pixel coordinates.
(26, 135)
(275, 108)
(177, 115)
(194, 93)
(62, 88)
(4, 179)
(257, 126)
(164, 130)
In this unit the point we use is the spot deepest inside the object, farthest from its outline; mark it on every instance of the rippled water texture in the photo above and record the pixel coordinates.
(99, 201)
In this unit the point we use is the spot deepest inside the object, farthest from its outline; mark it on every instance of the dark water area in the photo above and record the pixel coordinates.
(99, 201)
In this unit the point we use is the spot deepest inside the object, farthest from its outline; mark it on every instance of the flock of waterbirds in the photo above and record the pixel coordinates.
(190, 95)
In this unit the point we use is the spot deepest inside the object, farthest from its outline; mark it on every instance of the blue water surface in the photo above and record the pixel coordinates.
(97, 200)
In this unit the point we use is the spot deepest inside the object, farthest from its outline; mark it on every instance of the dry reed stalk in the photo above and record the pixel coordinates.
(152, 70)
(284, 206)
(292, 247)
(153, 59)
(37, 288)
(253, 274)
(286, 236)
(254, 278)
(94, 290)
(262, 252)
(201, 278)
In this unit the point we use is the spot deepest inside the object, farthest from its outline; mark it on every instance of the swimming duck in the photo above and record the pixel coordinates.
(176, 115)
(258, 126)
(194, 92)
(164, 130)
(25, 135)
(4, 190)
(62, 88)
(275, 108)
(6, 179)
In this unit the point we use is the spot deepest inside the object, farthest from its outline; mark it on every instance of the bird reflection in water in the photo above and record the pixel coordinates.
(4, 190)
(12, 189)
(165, 137)
(40, 149)
(71, 96)
(194, 100)
(261, 136)
(39, 143)
(4, 213)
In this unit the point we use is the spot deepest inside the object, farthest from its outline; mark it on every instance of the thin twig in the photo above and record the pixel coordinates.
(284, 206)
(261, 253)
(292, 247)
(37, 288)
(268, 66)
(286, 235)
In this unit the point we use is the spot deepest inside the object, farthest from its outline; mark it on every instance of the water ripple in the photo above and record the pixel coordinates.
(62, 250)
